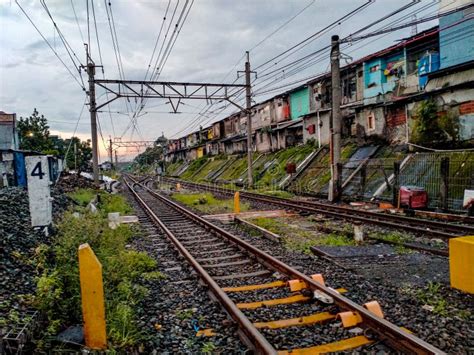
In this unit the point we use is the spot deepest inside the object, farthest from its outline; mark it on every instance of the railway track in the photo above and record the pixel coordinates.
(237, 273)
(410, 224)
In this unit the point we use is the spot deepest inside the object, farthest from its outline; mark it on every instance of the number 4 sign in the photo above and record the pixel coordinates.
(37, 171)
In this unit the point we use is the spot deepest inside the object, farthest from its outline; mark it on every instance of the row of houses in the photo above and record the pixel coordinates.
(380, 94)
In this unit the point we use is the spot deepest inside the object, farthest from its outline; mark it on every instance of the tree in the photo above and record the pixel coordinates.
(34, 133)
(433, 128)
(79, 155)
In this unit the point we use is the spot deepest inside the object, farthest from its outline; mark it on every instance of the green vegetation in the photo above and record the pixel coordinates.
(236, 169)
(106, 202)
(208, 347)
(83, 196)
(431, 296)
(275, 173)
(432, 128)
(213, 165)
(194, 167)
(34, 135)
(173, 168)
(297, 238)
(113, 203)
(207, 203)
(394, 237)
(58, 289)
(316, 177)
(185, 313)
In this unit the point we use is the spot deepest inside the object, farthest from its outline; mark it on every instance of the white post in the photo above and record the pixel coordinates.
(37, 171)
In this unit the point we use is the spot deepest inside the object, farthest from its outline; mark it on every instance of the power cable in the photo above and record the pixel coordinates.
(51, 47)
(77, 21)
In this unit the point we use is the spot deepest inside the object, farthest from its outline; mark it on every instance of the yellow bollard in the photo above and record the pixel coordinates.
(178, 187)
(461, 263)
(92, 296)
(237, 202)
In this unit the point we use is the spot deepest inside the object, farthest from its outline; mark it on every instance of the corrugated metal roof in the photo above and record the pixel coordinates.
(452, 79)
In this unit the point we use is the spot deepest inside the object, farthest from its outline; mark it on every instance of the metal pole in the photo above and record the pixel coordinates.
(75, 157)
(396, 184)
(111, 153)
(335, 145)
(319, 128)
(249, 122)
(93, 111)
(444, 186)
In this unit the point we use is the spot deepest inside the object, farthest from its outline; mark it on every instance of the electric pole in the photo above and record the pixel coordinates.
(335, 143)
(93, 111)
(111, 157)
(75, 157)
(249, 121)
(116, 160)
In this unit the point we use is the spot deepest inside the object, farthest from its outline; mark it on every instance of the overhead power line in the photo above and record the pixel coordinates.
(408, 24)
(51, 47)
(351, 13)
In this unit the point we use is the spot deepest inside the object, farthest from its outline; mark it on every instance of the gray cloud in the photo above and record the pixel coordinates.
(216, 34)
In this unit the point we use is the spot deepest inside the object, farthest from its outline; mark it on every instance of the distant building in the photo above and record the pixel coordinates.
(8, 131)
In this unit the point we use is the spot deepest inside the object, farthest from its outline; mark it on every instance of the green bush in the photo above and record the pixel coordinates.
(434, 129)
(83, 196)
(58, 289)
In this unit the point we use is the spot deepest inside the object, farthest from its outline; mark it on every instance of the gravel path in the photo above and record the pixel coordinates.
(179, 305)
(453, 332)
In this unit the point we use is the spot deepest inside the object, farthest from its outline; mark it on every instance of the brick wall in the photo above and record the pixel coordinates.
(466, 108)
(396, 116)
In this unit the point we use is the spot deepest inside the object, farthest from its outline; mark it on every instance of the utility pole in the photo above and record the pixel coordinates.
(93, 111)
(116, 159)
(111, 157)
(335, 143)
(249, 121)
(75, 157)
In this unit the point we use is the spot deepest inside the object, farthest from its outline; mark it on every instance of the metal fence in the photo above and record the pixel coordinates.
(375, 179)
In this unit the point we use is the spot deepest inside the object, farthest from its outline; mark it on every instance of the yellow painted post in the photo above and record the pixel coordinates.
(178, 187)
(237, 202)
(92, 296)
(461, 263)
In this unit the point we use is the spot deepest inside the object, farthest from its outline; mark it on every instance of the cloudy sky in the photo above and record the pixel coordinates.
(209, 47)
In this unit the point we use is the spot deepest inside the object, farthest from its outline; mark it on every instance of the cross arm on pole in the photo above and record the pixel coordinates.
(169, 90)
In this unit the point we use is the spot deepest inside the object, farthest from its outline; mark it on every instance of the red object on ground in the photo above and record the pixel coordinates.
(290, 168)
(413, 197)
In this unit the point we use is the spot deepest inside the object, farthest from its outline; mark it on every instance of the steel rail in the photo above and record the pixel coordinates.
(393, 221)
(394, 335)
(257, 339)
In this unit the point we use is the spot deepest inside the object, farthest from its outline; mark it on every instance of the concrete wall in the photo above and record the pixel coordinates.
(262, 117)
(370, 121)
(263, 141)
(313, 120)
(282, 109)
